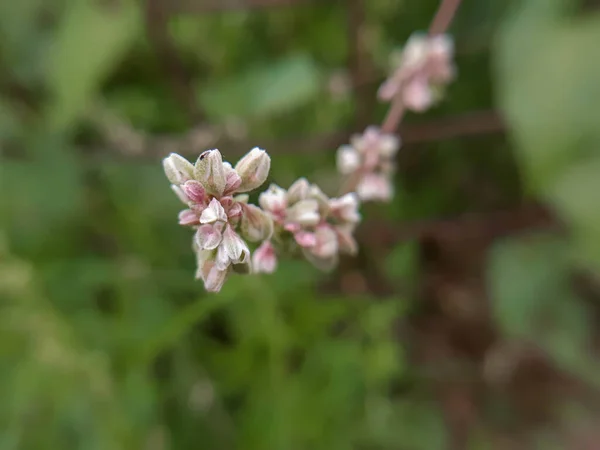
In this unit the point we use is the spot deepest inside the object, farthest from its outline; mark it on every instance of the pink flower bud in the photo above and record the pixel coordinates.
(210, 274)
(213, 212)
(209, 171)
(253, 169)
(264, 259)
(233, 180)
(417, 95)
(194, 191)
(208, 237)
(188, 217)
(324, 254)
(256, 224)
(305, 239)
(178, 169)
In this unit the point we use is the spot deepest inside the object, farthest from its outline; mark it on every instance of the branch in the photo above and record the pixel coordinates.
(441, 22)
(207, 6)
(157, 18)
(123, 140)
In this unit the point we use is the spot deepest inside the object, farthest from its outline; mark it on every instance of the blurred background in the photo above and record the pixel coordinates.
(469, 320)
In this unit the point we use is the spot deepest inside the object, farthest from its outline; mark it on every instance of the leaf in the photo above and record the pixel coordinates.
(549, 91)
(91, 40)
(533, 300)
(260, 91)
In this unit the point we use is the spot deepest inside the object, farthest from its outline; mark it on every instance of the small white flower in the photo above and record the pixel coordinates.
(374, 187)
(273, 199)
(305, 213)
(345, 208)
(348, 159)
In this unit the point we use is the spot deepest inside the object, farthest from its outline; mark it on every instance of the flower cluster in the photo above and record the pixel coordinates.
(425, 66)
(368, 160)
(219, 211)
(307, 220)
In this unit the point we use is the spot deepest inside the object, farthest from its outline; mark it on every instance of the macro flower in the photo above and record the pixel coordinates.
(424, 67)
(369, 161)
(223, 221)
(306, 219)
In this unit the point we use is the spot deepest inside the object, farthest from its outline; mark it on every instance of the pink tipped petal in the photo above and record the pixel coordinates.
(327, 244)
(305, 239)
(233, 182)
(211, 275)
(208, 237)
(194, 191)
(346, 242)
(188, 217)
(264, 259)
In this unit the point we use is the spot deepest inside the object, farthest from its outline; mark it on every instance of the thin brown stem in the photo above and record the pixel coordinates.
(441, 21)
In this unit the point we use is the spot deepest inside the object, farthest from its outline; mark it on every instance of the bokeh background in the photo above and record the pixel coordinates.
(469, 320)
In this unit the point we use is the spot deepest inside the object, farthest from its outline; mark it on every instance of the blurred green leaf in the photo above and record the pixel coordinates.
(91, 40)
(268, 89)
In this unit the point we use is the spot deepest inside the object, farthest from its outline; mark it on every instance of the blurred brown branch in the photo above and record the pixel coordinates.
(157, 15)
(123, 139)
(204, 6)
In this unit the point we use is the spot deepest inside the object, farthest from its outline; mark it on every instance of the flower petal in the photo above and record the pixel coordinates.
(188, 217)
(208, 237)
(178, 169)
(264, 259)
(213, 212)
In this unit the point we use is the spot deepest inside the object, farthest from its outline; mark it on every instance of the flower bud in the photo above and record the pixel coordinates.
(298, 191)
(345, 208)
(374, 187)
(209, 171)
(348, 159)
(253, 169)
(188, 217)
(273, 199)
(256, 224)
(213, 212)
(305, 213)
(178, 169)
(324, 254)
(210, 274)
(305, 238)
(317, 194)
(264, 259)
(208, 237)
(418, 95)
(194, 191)
(242, 198)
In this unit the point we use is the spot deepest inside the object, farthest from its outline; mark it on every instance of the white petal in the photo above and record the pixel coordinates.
(213, 212)
(348, 159)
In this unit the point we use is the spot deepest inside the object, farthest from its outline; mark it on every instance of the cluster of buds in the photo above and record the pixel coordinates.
(308, 222)
(424, 68)
(368, 162)
(218, 210)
